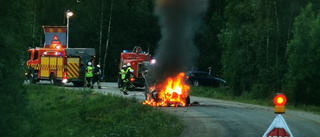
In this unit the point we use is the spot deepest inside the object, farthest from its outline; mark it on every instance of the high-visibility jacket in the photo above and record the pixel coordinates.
(123, 74)
(89, 72)
(96, 73)
(128, 69)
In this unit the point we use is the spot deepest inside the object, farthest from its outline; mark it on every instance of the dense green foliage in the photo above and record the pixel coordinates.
(14, 17)
(304, 56)
(255, 56)
(57, 112)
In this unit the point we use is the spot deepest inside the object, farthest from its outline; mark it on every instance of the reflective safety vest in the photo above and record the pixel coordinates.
(89, 72)
(123, 74)
(128, 69)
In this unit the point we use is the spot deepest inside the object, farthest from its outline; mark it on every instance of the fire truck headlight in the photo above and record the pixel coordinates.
(153, 61)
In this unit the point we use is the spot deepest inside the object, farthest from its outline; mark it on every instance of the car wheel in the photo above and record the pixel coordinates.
(222, 85)
(195, 83)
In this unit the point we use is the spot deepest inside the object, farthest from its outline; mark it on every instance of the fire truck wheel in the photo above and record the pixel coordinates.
(53, 80)
(31, 77)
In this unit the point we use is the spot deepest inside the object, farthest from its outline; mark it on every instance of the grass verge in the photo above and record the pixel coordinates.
(225, 94)
(57, 112)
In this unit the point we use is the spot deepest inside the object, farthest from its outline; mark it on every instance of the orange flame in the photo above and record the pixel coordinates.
(173, 94)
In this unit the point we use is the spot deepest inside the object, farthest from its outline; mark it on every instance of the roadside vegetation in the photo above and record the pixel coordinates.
(226, 94)
(52, 111)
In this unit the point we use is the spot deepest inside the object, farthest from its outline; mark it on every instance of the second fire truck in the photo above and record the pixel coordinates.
(139, 61)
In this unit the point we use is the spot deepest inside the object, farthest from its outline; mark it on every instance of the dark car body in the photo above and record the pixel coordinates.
(197, 78)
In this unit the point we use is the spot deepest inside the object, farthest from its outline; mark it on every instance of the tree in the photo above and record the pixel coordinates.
(304, 55)
(16, 32)
(254, 44)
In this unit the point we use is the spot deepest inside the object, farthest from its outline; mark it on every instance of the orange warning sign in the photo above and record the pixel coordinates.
(55, 40)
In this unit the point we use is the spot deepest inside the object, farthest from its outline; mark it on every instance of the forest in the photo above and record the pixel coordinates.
(260, 47)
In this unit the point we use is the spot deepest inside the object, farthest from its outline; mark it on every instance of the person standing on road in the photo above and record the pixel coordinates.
(122, 76)
(129, 72)
(126, 80)
(89, 74)
(96, 76)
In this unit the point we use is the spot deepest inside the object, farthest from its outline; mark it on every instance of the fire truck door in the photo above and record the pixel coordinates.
(53, 63)
(73, 67)
(44, 70)
(60, 67)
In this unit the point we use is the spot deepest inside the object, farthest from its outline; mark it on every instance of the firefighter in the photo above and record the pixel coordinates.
(130, 75)
(89, 74)
(126, 81)
(122, 76)
(96, 76)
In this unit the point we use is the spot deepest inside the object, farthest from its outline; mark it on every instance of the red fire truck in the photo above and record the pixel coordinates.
(55, 62)
(139, 61)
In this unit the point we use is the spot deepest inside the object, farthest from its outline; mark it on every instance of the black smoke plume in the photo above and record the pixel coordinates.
(179, 20)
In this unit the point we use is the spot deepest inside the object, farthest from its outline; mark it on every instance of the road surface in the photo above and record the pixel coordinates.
(217, 118)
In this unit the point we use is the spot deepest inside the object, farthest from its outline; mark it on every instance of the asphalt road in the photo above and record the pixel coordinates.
(217, 118)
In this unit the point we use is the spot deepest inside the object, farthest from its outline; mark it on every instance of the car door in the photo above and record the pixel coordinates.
(211, 81)
(203, 79)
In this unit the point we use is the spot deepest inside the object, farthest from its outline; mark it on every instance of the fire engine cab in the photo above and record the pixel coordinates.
(56, 63)
(139, 61)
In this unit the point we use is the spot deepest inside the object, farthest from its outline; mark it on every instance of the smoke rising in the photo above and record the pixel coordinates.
(178, 20)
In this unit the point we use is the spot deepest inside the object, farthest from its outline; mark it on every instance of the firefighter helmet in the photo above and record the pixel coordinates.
(131, 70)
(124, 66)
(128, 64)
(98, 66)
(89, 64)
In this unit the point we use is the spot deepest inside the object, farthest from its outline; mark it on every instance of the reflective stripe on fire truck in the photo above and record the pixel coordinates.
(73, 67)
(60, 67)
(44, 71)
(53, 63)
(35, 66)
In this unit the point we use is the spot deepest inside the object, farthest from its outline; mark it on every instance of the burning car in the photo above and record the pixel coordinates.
(172, 92)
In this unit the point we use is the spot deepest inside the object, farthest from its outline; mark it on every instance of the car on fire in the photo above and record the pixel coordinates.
(172, 92)
(202, 78)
